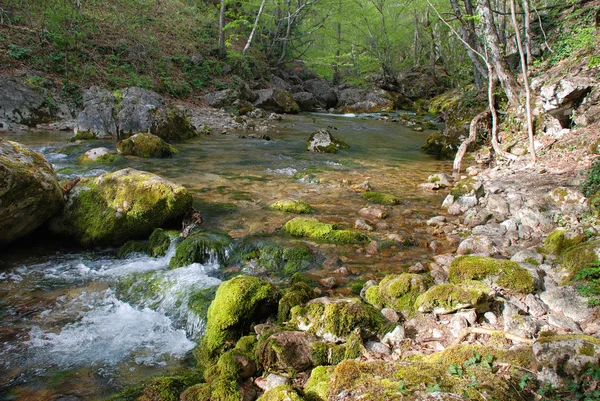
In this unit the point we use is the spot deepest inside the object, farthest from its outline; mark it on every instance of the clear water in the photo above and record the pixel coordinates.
(66, 331)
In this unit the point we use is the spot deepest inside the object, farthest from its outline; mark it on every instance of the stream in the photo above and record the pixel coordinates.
(68, 330)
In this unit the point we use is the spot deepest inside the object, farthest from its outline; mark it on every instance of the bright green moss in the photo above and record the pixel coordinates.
(448, 297)
(338, 318)
(163, 389)
(104, 159)
(295, 206)
(580, 256)
(146, 145)
(380, 198)
(458, 354)
(504, 273)
(238, 303)
(557, 242)
(280, 393)
(318, 231)
(564, 337)
(82, 136)
(201, 248)
(317, 386)
(400, 292)
(296, 260)
(373, 297)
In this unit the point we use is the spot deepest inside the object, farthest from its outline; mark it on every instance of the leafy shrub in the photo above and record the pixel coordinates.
(18, 52)
(592, 181)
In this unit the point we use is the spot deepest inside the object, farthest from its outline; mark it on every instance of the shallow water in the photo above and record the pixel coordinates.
(66, 329)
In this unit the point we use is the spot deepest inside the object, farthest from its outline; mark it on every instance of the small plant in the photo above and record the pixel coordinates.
(592, 181)
(17, 52)
(590, 287)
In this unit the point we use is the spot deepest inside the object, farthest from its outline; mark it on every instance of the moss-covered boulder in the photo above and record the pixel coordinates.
(298, 294)
(156, 246)
(503, 273)
(400, 292)
(322, 141)
(146, 145)
(281, 393)
(203, 247)
(329, 353)
(334, 319)
(115, 207)
(388, 380)
(292, 206)
(444, 298)
(163, 389)
(29, 191)
(380, 198)
(319, 231)
(480, 354)
(559, 241)
(238, 303)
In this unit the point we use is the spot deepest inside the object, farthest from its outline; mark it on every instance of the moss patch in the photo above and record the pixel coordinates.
(317, 386)
(580, 256)
(280, 393)
(557, 242)
(146, 145)
(380, 198)
(295, 206)
(504, 273)
(318, 231)
(448, 297)
(298, 294)
(400, 292)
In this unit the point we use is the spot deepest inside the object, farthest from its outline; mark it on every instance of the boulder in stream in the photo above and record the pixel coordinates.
(146, 145)
(322, 141)
(29, 191)
(115, 207)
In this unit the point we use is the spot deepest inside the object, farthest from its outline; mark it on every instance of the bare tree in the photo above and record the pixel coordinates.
(222, 29)
(249, 42)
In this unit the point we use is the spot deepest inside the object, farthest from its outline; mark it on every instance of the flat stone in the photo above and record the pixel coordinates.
(476, 244)
(490, 230)
(564, 322)
(528, 255)
(568, 301)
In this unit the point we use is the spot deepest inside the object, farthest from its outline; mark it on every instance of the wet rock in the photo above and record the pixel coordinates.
(277, 100)
(328, 282)
(443, 180)
(372, 213)
(357, 100)
(567, 301)
(115, 207)
(322, 141)
(97, 155)
(29, 191)
(146, 145)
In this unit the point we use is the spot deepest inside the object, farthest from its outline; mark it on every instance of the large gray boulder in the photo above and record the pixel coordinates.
(29, 191)
(306, 101)
(277, 100)
(324, 93)
(239, 92)
(115, 207)
(357, 100)
(20, 104)
(130, 111)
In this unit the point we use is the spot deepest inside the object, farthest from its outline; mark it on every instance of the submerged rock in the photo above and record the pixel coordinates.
(29, 191)
(292, 206)
(98, 155)
(115, 207)
(322, 141)
(204, 247)
(146, 145)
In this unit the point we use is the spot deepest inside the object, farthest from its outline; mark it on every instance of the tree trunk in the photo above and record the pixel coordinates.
(509, 83)
(462, 150)
(527, 26)
(222, 30)
(249, 42)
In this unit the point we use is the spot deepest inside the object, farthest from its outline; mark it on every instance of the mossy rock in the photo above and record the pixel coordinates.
(137, 288)
(286, 351)
(503, 273)
(98, 155)
(558, 241)
(319, 231)
(281, 393)
(334, 319)
(29, 191)
(322, 141)
(580, 256)
(380, 198)
(466, 187)
(386, 380)
(115, 207)
(373, 297)
(295, 206)
(329, 353)
(203, 247)
(459, 354)
(317, 386)
(298, 294)
(400, 292)
(83, 136)
(133, 247)
(159, 243)
(238, 303)
(146, 145)
(445, 298)
(272, 257)
(200, 301)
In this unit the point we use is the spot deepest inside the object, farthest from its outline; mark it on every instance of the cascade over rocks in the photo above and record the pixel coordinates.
(29, 191)
(115, 207)
(130, 111)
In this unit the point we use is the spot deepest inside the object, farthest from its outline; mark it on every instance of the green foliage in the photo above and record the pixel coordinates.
(18, 52)
(592, 182)
(590, 288)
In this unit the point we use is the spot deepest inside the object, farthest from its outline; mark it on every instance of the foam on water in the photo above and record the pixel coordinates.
(110, 332)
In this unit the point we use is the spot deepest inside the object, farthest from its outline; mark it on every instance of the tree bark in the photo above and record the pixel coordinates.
(509, 83)
(222, 30)
(249, 42)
